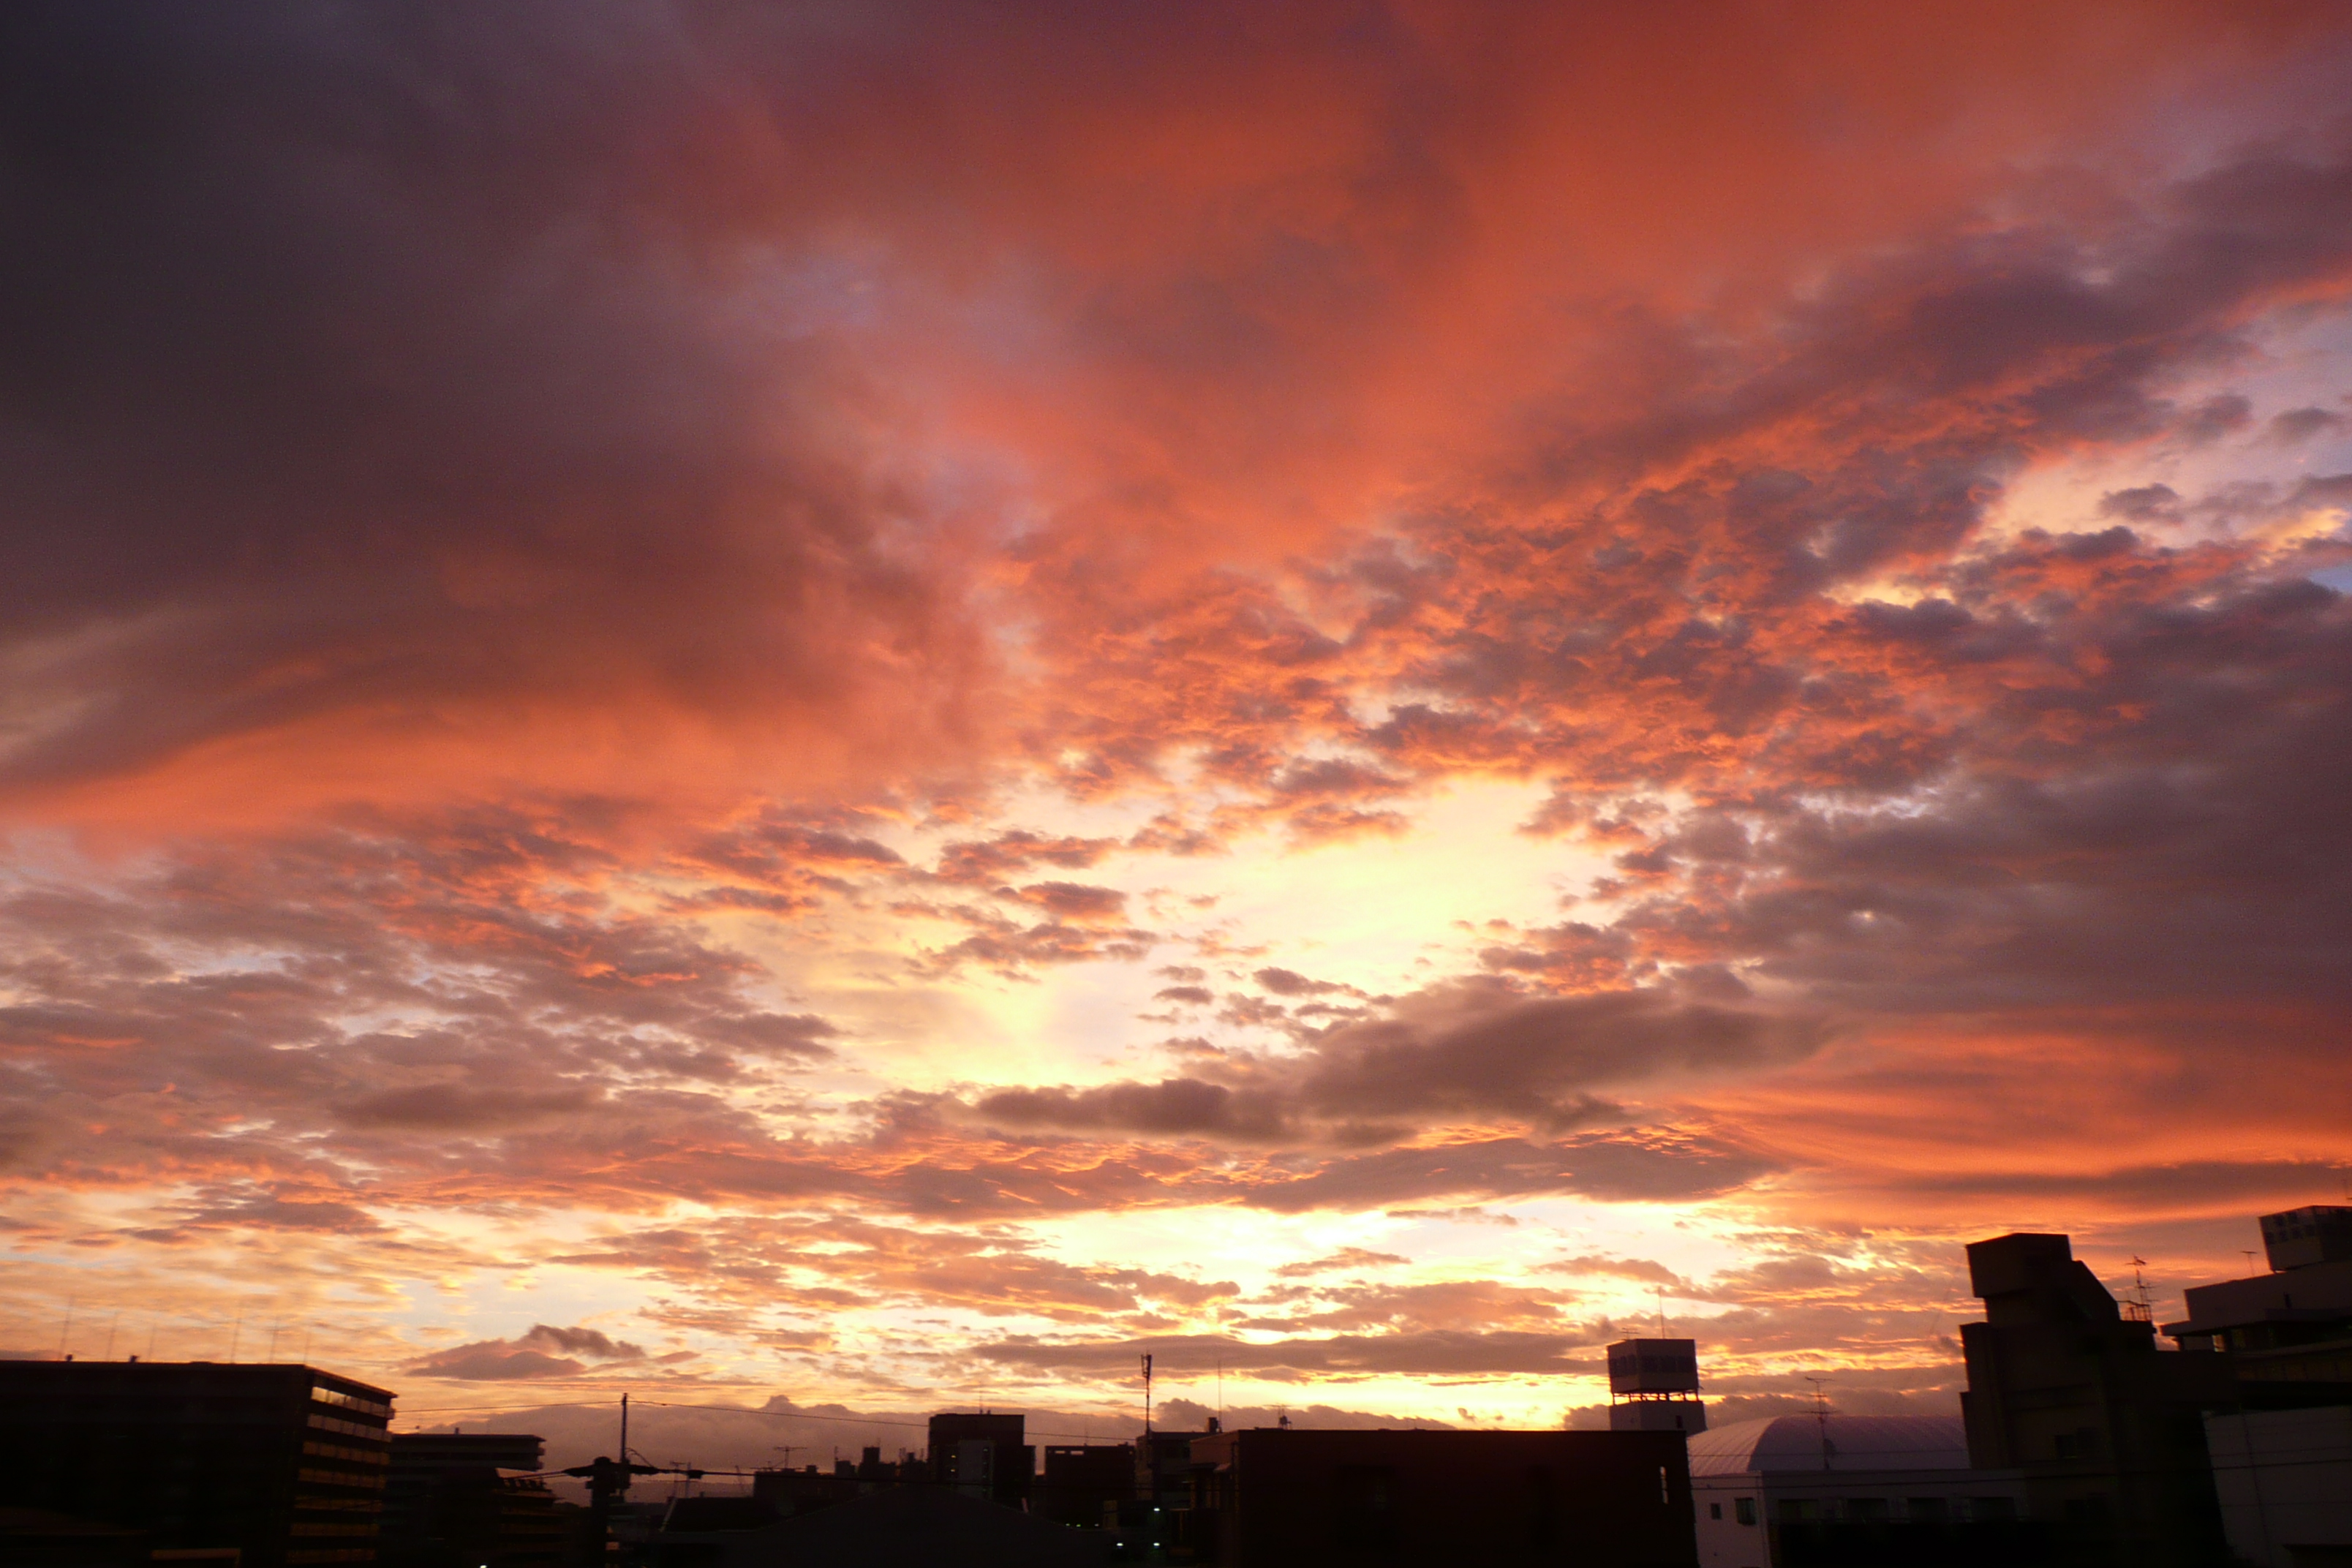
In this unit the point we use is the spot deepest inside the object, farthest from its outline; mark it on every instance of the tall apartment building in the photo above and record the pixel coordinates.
(983, 1455)
(284, 1464)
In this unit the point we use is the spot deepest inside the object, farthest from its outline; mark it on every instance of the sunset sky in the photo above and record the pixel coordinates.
(881, 703)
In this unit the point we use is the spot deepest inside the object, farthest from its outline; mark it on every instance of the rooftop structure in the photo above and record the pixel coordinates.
(1654, 1386)
(2318, 1233)
(2287, 1333)
(1814, 1445)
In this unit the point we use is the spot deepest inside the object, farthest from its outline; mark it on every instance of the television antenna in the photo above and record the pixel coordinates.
(1821, 1419)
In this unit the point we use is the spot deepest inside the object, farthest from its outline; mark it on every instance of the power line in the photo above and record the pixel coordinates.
(726, 1409)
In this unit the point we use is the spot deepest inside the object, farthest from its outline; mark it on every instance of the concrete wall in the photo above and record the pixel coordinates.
(2285, 1482)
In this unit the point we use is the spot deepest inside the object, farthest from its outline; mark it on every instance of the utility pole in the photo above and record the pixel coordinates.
(607, 1478)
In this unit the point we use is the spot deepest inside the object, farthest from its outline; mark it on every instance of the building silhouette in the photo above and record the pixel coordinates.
(1276, 1498)
(283, 1465)
(1654, 1388)
(913, 1526)
(1086, 1485)
(2070, 1390)
(2281, 1457)
(1787, 1491)
(983, 1455)
(469, 1500)
(2287, 1333)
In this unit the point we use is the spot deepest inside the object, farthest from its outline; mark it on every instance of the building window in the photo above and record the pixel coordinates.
(1744, 1509)
(1925, 1509)
(2083, 1443)
(1714, 1510)
(1865, 1508)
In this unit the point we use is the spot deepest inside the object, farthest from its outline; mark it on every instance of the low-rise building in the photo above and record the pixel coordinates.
(1783, 1491)
(1276, 1498)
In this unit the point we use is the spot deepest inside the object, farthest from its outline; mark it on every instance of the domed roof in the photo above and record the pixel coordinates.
(1857, 1443)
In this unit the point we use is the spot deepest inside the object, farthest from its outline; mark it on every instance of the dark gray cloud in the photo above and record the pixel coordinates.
(545, 1352)
(1476, 1050)
(2295, 426)
(374, 360)
(1175, 1105)
(1435, 1353)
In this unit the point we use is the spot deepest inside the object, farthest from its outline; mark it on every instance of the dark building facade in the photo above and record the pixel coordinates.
(468, 1500)
(983, 1455)
(2283, 1459)
(1270, 1498)
(2071, 1391)
(1086, 1485)
(1163, 1470)
(790, 1492)
(286, 1465)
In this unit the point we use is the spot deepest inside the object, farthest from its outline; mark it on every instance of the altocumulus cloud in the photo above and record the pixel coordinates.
(544, 1351)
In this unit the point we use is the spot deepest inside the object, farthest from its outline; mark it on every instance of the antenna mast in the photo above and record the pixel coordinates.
(1147, 1396)
(1821, 1419)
